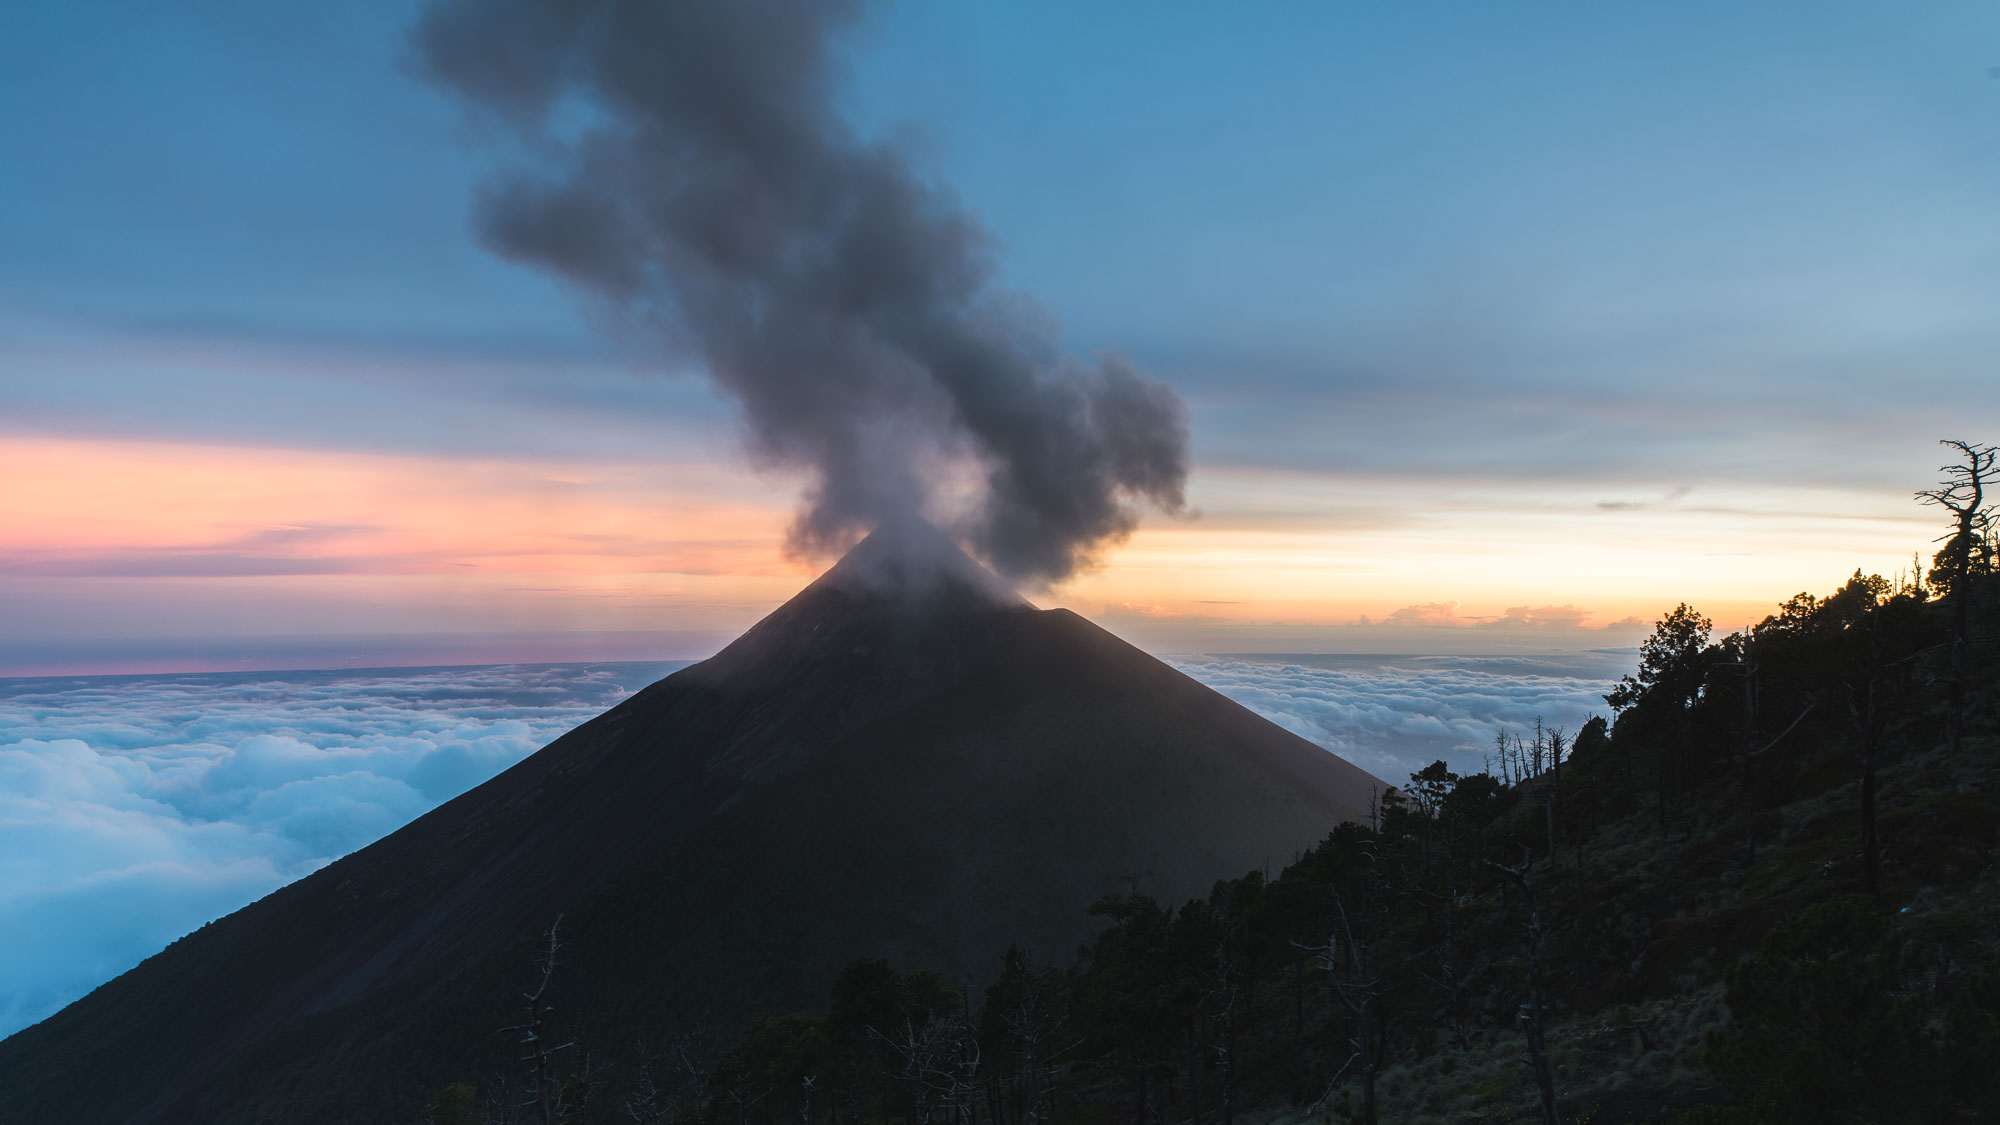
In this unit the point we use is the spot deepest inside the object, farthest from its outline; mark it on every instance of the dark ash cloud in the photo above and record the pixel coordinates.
(685, 167)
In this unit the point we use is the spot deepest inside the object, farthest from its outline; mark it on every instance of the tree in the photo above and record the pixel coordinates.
(1590, 745)
(1554, 739)
(1673, 665)
(1534, 1010)
(1025, 1023)
(1864, 708)
(1434, 788)
(867, 994)
(552, 1097)
(778, 1067)
(1351, 956)
(1967, 552)
(1743, 646)
(1214, 959)
(1428, 789)
(1877, 634)
(936, 1052)
(1127, 993)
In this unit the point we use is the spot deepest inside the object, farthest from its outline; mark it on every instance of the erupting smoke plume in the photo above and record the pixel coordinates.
(689, 170)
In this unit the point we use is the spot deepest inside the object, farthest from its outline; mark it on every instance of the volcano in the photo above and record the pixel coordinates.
(906, 760)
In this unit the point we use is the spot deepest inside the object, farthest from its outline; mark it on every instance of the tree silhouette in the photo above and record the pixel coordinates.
(1534, 1010)
(1967, 551)
(552, 1098)
(1673, 664)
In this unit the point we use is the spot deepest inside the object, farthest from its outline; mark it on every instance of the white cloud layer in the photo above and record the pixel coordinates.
(1392, 715)
(134, 809)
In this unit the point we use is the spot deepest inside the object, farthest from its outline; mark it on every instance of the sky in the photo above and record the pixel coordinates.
(1500, 329)
(133, 809)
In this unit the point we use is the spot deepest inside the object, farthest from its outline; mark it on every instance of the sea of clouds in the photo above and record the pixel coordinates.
(1393, 715)
(135, 808)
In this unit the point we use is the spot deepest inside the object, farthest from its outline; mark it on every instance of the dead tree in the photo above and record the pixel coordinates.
(1221, 992)
(497, 1102)
(1963, 494)
(808, 1087)
(743, 1097)
(1035, 1025)
(1552, 784)
(646, 1102)
(1351, 961)
(1532, 1012)
(545, 1095)
(673, 1082)
(1449, 979)
(692, 1055)
(939, 1060)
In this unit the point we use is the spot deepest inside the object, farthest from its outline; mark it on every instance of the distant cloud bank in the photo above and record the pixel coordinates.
(1394, 715)
(1518, 618)
(134, 809)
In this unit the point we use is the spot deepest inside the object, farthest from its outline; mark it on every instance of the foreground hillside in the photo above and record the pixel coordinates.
(1766, 890)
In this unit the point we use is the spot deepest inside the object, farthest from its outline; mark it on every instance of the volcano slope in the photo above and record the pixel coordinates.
(905, 760)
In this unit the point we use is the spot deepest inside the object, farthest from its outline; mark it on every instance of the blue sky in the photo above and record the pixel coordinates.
(1559, 265)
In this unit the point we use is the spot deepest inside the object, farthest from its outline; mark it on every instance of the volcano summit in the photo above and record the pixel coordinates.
(906, 760)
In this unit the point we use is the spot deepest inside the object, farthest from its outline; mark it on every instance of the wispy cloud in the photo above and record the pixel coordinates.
(1673, 496)
(1514, 618)
(189, 564)
(1125, 613)
(1429, 613)
(1539, 617)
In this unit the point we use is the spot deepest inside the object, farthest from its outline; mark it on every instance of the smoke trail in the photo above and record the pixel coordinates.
(689, 171)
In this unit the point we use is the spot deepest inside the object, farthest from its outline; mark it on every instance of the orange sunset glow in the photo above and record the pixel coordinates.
(151, 538)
